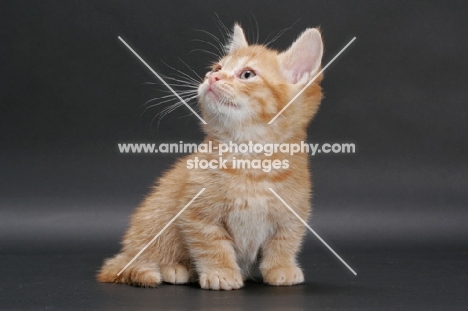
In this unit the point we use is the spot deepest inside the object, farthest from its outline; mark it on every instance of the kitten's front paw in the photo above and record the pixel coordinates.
(282, 276)
(221, 279)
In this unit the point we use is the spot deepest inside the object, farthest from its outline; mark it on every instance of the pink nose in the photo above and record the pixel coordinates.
(214, 77)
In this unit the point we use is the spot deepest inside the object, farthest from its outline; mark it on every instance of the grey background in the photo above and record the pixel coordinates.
(396, 210)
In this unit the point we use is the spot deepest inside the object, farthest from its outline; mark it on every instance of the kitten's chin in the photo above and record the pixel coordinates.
(223, 109)
(219, 102)
(211, 97)
(220, 106)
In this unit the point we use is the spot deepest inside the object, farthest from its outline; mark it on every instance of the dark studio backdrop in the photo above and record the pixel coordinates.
(71, 91)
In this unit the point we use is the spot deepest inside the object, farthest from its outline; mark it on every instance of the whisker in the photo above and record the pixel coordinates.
(168, 100)
(222, 33)
(182, 86)
(280, 33)
(186, 99)
(179, 71)
(168, 110)
(225, 28)
(172, 96)
(148, 108)
(186, 92)
(209, 43)
(201, 79)
(188, 83)
(258, 29)
(210, 34)
(156, 98)
(221, 45)
(206, 51)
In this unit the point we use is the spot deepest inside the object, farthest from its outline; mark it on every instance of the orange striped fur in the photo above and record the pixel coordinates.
(236, 222)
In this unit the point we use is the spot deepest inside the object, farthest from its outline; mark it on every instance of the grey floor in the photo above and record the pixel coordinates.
(413, 277)
(403, 229)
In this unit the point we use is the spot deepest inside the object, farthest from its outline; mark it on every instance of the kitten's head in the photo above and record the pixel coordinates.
(251, 84)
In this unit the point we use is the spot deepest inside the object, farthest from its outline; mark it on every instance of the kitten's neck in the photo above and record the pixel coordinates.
(271, 136)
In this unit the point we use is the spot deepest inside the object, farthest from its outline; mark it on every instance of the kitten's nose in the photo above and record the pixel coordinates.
(214, 77)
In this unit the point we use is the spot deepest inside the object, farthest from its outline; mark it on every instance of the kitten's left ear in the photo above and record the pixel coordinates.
(237, 39)
(302, 60)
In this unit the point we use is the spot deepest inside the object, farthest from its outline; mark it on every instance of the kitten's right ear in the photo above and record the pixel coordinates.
(237, 39)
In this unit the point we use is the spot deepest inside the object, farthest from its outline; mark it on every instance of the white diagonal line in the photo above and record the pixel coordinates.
(312, 230)
(160, 232)
(311, 81)
(161, 79)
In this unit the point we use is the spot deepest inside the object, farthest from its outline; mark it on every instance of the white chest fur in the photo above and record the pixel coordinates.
(249, 227)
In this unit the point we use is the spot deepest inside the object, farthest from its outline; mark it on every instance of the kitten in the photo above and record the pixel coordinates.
(236, 222)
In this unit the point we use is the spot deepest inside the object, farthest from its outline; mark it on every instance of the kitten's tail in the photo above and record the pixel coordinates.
(137, 274)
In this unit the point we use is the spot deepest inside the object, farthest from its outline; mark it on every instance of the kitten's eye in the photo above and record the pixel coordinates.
(247, 74)
(216, 68)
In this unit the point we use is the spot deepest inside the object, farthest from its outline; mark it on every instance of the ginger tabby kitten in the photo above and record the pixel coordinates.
(236, 222)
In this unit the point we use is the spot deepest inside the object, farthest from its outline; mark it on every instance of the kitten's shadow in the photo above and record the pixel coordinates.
(254, 286)
(308, 288)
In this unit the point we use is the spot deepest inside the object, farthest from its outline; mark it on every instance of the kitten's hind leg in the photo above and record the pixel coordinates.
(144, 274)
(175, 273)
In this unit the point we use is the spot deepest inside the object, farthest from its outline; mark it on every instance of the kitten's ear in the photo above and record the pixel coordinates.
(302, 60)
(237, 39)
